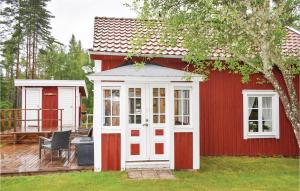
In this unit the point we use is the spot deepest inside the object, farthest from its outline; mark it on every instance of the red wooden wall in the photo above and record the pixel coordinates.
(183, 150)
(50, 101)
(221, 114)
(111, 151)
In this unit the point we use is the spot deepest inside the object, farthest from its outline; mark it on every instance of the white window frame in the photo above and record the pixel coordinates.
(275, 114)
(190, 106)
(103, 108)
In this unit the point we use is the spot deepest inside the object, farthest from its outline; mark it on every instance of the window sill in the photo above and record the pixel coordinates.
(261, 136)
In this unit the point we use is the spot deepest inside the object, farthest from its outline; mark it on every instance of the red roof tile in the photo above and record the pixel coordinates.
(115, 35)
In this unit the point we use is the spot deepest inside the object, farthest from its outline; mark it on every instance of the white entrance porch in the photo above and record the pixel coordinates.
(145, 106)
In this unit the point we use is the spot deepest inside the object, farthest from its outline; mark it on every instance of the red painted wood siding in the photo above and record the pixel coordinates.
(221, 114)
(111, 151)
(221, 120)
(50, 101)
(183, 150)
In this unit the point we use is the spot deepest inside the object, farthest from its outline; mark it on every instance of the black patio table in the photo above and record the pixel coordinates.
(84, 150)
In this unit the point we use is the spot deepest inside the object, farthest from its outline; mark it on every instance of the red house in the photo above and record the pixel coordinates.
(151, 117)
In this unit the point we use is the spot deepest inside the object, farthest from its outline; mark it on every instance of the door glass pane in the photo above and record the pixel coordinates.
(137, 92)
(107, 93)
(155, 105)
(253, 114)
(177, 93)
(177, 107)
(131, 105)
(162, 92)
(115, 95)
(185, 94)
(138, 119)
(115, 108)
(115, 121)
(131, 92)
(138, 106)
(267, 102)
(107, 108)
(267, 126)
(155, 119)
(107, 121)
(162, 119)
(131, 119)
(253, 126)
(162, 105)
(155, 92)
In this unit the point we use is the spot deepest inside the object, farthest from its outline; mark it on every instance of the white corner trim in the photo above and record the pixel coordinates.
(97, 132)
(275, 114)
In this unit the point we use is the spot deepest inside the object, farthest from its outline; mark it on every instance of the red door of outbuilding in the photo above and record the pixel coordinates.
(50, 106)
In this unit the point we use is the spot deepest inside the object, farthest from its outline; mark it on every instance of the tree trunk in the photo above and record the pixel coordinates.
(27, 58)
(289, 111)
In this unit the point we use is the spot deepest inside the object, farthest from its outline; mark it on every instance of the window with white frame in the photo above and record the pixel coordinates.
(182, 107)
(261, 114)
(111, 107)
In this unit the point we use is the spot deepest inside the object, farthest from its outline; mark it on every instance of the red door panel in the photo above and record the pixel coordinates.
(50, 101)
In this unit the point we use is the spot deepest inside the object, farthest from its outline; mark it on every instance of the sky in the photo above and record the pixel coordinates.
(77, 17)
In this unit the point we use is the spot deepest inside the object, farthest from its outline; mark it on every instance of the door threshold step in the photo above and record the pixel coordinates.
(147, 165)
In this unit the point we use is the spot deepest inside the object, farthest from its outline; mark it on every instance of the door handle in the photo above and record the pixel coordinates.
(145, 125)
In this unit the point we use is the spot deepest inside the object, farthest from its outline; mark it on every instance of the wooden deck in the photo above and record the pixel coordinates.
(23, 159)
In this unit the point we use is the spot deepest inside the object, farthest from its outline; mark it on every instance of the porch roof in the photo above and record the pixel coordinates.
(148, 72)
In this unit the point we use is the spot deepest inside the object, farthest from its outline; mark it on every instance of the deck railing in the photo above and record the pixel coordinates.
(13, 120)
(86, 120)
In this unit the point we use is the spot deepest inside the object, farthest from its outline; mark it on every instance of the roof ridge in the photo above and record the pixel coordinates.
(116, 18)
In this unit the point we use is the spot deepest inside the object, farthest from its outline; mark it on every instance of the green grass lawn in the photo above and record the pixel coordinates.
(217, 173)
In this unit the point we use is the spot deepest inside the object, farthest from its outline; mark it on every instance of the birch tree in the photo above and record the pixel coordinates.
(249, 33)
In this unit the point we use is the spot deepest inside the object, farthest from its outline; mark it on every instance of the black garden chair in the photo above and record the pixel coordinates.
(60, 141)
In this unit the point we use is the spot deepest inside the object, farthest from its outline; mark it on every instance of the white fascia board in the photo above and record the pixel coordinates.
(44, 83)
(143, 78)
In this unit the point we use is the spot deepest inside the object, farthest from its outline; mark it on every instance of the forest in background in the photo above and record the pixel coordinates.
(29, 51)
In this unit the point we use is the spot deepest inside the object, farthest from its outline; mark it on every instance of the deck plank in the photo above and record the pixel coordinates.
(22, 159)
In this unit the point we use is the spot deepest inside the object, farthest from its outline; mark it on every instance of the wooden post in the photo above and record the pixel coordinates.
(9, 119)
(15, 119)
(38, 110)
(2, 120)
(60, 119)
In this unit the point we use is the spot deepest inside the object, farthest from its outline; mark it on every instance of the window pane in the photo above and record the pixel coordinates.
(178, 120)
(138, 106)
(131, 92)
(155, 119)
(131, 119)
(253, 114)
(253, 102)
(131, 105)
(107, 93)
(137, 92)
(267, 102)
(186, 120)
(162, 119)
(107, 121)
(185, 93)
(116, 95)
(267, 126)
(115, 121)
(186, 107)
(155, 92)
(177, 93)
(155, 105)
(267, 114)
(162, 105)
(253, 126)
(162, 92)
(107, 108)
(115, 108)
(177, 107)
(138, 119)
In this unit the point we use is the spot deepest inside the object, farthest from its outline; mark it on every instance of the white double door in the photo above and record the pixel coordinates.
(147, 131)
